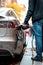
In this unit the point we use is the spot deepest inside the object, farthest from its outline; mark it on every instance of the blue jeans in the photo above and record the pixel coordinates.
(37, 27)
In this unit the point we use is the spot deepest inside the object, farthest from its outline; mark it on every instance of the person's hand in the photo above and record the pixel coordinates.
(26, 26)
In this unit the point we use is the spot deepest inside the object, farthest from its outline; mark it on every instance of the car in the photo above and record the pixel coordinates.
(11, 40)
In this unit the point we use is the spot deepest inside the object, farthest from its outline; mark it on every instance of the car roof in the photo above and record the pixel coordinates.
(3, 12)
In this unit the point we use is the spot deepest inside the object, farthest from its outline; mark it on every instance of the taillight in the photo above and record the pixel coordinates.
(12, 25)
(8, 25)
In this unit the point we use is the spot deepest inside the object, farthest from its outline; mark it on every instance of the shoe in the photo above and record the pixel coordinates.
(37, 58)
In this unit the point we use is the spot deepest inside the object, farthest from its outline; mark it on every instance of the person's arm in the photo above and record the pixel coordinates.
(31, 6)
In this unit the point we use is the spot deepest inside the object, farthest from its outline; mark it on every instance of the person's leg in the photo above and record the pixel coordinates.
(37, 27)
(38, 45)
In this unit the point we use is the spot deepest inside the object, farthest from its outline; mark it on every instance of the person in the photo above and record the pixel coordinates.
(35, 10)
(16, 7)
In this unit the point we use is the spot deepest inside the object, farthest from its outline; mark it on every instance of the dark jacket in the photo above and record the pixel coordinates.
(35, 9)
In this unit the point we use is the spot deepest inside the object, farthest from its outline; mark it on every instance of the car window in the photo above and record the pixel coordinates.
(11, 13)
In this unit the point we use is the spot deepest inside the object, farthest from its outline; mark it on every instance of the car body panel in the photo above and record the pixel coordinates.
(11, 40)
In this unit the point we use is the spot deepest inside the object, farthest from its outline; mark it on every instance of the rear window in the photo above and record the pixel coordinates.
(11, 13)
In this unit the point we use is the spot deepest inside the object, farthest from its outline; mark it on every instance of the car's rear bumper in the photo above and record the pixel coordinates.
(4, 53)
